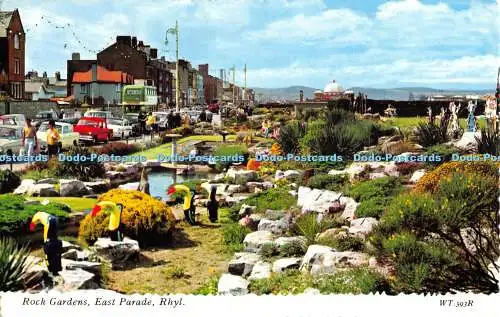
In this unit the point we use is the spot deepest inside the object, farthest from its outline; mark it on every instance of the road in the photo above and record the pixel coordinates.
(139, 140)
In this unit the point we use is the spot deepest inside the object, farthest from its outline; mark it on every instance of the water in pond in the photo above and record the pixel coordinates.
(160, 181)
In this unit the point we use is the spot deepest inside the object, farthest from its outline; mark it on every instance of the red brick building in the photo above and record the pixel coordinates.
(212, 86)
(12, 54)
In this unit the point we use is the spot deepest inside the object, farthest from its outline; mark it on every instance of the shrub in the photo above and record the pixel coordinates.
(489, 142)
(13, 265)
(233, 236)
(210, 287)
(174, 272)
(274, 199)
(268, 249)
(307, 225)
(353, 281)
(445, 152)
(330, 182)
(372, 207)
(83, 171)
(15, 215)
(9, 181)
(236, 152)
(293, 248)
(117, 148)
(144, 218)
(378, 188)
(290, 136)
(429, 134)
(430, 181)
(288, 282)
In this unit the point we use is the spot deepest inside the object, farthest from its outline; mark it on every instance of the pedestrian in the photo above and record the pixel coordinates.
(52, 139)
(29, 141)
(142, 122)
(149, 122)
(61, 115)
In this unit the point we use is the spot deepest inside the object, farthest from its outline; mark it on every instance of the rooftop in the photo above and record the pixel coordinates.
(103, 75)
(5, 17)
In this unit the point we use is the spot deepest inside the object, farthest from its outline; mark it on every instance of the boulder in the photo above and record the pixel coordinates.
(37, 276)
(291, 174)
(77, 279)
(254, 241)
(70, 255)
(253, 186)
(242, 263)
(260, 270)
(129, 186)
(247, 210)
(97, 187)
(25, 185)
(416, 176)
(468, 142)
(299, 240)
(232, 285)
(277, 227)
(362, 226)
(118, 254)
(51, 181)
(337, 172)
(73, 188)
(332, 233)
(376, 175)
(391, 169)
(91, 267)
(325, 260)
(282, 265)
(242, 175)
(350, 208)
(233, 189)
(66, 246)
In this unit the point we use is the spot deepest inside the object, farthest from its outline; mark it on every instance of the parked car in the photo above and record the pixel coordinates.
(43, 116)
(98, 114)
(71, 121)
(214, 108)
(122, 129)
(93, 130)
(13, 119)
(11, 140)
(133, 118)
(68, 136)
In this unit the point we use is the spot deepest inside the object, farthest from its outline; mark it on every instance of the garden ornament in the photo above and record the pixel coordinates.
(115, 212)
(471, 120)
(189, 207)
(52, 245)
(213, 205)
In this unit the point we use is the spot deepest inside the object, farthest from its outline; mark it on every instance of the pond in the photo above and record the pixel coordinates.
(160, 181)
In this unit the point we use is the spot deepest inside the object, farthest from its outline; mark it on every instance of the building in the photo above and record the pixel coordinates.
(41, 88)
(131, 57)
(37, 90)
(200, 89)
(332, 91)
(12, 54)
(184, 83)
(99, 86)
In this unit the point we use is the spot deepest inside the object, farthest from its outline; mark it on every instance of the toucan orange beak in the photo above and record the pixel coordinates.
(95, 210)
(32, 226)
(171, 190)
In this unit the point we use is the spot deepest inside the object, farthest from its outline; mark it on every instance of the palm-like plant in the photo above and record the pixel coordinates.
(489, 143)
(429, 134)
(13, 265)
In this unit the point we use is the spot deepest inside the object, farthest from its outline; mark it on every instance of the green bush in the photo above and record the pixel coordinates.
(344, 243)
(268, 249)
(307, 225)
(9, 181)
(372, 207)
(489, 142)
(289, 282)
(229, 151)
(293, 248)
(273, 198)
(330, 182)
(84, 171)
(233, 235)
(210, 287)
(444, 151)
(378, 188)
(290, 136)
(429, 134)
(13, 265)
(15, 215)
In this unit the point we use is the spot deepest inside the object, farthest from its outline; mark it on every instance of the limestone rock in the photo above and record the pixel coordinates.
(25, 185)
(51, 181)
(254, 241)
(77, 279)
(119, 254)
(282, 265)
(261, 270)
(242, 175)
(324, 260)
(247, 210)
(242, 263)
(91, 267)
(362, 226)
(416, 176)
(73, 188)
(70, 255)
(232, 285)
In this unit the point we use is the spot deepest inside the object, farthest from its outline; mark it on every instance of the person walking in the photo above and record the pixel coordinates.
(29, 141)
(52, 139)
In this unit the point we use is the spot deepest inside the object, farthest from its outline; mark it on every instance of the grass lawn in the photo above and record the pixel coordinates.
(166, 149)
(196, 256)
(75, 203)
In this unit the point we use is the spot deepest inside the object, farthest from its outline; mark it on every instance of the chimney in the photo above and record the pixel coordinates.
(141, 44)
(154, 53)
(75, 56)
(134, 42)
(123, 39)
(44, 74)
(58, 76)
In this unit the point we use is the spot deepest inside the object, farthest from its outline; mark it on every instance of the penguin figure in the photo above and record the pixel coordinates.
(213, 206)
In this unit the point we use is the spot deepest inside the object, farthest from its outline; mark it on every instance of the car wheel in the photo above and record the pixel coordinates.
(75, 143)
(95, 140)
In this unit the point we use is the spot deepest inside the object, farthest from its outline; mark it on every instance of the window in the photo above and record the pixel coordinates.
(16, 41)
(118, 88)
(17, 68)
(65, 129)
(84, 89)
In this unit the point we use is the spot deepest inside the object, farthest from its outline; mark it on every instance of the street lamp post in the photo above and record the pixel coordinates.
(175, 31)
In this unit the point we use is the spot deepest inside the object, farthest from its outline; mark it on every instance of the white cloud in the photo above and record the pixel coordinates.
(223, 12)
(393, 9)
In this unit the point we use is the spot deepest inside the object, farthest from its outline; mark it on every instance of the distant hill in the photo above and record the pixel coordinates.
(292, 93)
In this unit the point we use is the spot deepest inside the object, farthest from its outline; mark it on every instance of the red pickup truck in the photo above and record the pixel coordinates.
(93, 130)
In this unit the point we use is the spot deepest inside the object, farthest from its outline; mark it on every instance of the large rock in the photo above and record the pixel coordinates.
(362, 226)
(232, 285)
(277, 227)
(242, 175)
(350, 208)
(324, 260)
(97, 187)
(282, 265)
(297, 240)
(242, 263)
(287, 174)
(233, 189)
(66, 246)
(416, 176)
(118, 254)
(221, 189)
(247, 210)
(321, 201)
(91, 267)
(333, 233)
(77, 279)
(51, 181)
(252, 186)
(72, 188)
(261, 270)
(468, 142)
(70, 255)
(37, 276)
(26, 184)
(254, 241)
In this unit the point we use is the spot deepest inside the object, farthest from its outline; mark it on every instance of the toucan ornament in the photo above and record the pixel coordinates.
(115, 212)
(189, 207)
(52, 245)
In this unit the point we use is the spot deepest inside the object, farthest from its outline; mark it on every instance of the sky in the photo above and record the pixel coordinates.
(452, 44)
